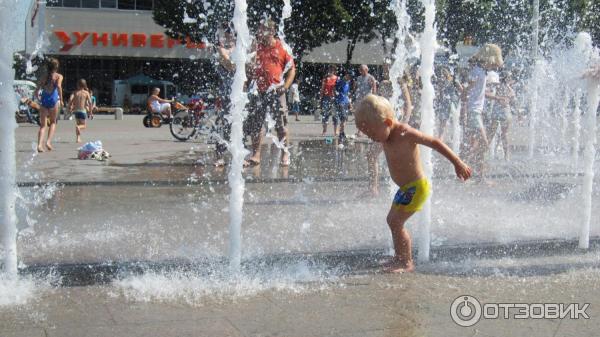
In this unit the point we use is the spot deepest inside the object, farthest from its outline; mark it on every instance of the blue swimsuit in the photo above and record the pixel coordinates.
(49, 99)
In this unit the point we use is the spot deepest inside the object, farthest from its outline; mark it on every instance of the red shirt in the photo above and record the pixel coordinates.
(329, 85)
(271, 63)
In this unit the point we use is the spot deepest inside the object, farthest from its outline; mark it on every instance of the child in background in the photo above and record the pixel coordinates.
(342, 101)
(295, 98)
(94, 104)
(489, 57)
(375, 117)
(79, 104)
(328, 99)
(51, 99)
(501, 111)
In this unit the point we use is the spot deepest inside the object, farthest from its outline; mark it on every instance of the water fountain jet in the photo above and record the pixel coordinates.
(428, 45)
(238, 152)
(8, 218)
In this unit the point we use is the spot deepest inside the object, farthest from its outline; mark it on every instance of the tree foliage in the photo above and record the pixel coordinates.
(313, 22)
(317, 22)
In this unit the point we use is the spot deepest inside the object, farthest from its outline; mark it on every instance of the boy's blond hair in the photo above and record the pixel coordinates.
(373, 109)
(489, 54)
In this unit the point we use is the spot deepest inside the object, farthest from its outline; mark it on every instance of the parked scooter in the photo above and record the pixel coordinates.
(156, 119)
(28, 111)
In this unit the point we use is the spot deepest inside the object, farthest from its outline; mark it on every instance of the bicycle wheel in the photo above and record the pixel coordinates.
(206, 125)
(182, 125)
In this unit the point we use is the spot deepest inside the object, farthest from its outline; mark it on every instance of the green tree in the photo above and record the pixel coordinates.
(312, 24)
(367, 18)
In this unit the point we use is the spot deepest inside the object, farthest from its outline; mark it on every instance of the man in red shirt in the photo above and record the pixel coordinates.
(271, 64)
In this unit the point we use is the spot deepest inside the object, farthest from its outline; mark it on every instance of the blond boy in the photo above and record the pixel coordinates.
(375, 118)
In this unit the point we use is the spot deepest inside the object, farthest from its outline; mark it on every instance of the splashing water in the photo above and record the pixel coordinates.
(589, 154)
(583, 42)
(42, 41)
(576, 128)
(280, 144)
(286, 13)
(187, 19)
(533, 95)
(194, 289)
(428, 46)
(397, 69)
(20, 291)
(400, 53)
(8, 219)
(238, 152)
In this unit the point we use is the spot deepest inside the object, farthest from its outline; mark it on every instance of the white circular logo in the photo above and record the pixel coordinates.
(465, 310)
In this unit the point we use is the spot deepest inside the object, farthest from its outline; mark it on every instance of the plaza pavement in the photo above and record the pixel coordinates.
(362, 304)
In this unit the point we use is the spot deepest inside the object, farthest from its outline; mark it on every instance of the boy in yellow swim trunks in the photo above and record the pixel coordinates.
(375, 118)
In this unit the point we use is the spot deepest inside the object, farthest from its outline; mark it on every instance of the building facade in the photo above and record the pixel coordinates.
(107, 40)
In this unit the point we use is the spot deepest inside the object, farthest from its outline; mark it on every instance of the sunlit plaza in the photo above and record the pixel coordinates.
(206, 168)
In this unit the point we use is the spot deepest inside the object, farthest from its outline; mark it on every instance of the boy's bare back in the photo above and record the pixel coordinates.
(81, 100)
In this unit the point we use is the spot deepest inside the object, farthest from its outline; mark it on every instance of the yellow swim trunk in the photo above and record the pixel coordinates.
(412, 196)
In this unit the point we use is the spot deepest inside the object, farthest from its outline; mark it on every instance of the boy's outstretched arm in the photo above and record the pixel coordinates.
(463, 171)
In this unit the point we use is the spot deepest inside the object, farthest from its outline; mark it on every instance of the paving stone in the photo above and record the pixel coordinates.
(23, 332)
(197, 328)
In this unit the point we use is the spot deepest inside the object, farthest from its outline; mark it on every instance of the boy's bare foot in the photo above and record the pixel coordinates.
(49, 146)
(40, 149)
(78, 139)
(396, 266)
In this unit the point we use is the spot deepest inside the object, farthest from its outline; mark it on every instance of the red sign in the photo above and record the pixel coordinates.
(134, 40)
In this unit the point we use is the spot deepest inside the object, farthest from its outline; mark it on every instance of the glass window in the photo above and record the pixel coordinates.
(108, 3)
(171, 91)
(144, 5)
(139, 89)
(71, 3)
(90, 3)
(126, 4)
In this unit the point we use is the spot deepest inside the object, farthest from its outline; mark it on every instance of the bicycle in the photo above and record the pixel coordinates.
(194, 121)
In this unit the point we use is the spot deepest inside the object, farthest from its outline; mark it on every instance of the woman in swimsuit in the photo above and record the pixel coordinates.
(51, 96)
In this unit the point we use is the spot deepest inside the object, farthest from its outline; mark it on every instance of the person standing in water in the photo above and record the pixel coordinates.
(51, 98)
(274, 71)
(294, 97)
(226, 71)
(364, 85)
(327, 96)
(488, 57)
(375, 117)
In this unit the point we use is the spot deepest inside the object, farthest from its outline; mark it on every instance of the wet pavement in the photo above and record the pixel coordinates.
(371, 305)
(158, 200)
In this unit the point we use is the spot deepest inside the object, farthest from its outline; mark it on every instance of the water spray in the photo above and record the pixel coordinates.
(238, 152)
(428, 45)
